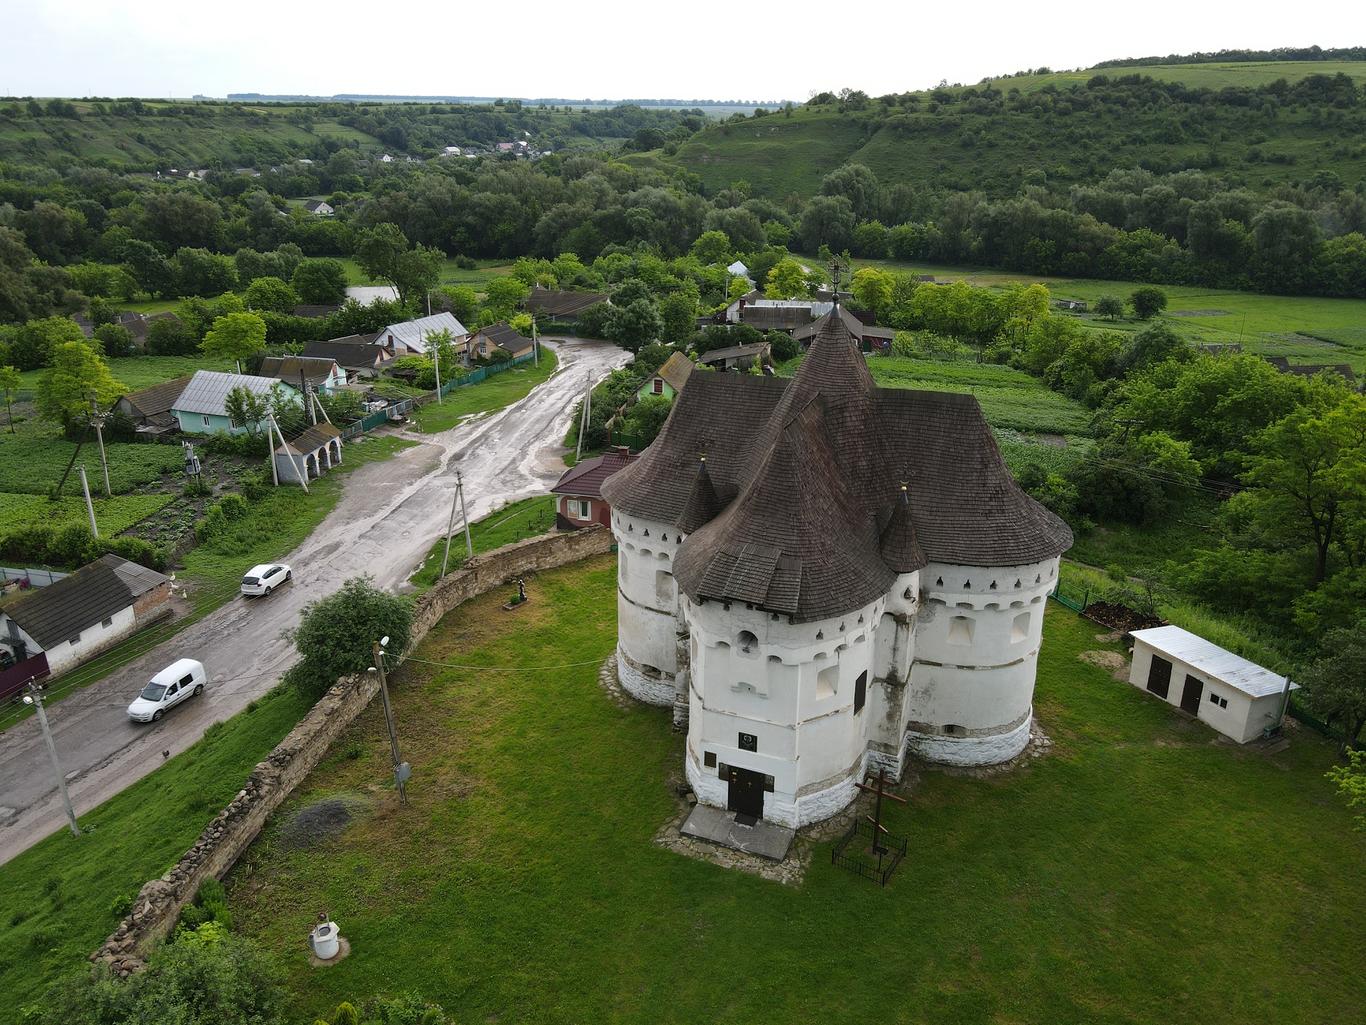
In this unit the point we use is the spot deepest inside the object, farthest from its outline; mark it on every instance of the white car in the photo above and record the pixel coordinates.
(265, 578)
(182, 679)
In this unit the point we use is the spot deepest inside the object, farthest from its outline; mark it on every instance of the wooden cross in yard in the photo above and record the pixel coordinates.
(876, 818)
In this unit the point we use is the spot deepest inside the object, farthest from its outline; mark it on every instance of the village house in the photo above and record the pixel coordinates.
(149, 409)
(201, 408)
(358, 355)
(669, 379)
(1284, 365)
(410, 337)
(54, 628)
(735, 357)
(870, 337)
(321, 373)
(319, 208)
(579, 501)
(1238, 698)
(822, 577)
(562, 306)
(500, 336)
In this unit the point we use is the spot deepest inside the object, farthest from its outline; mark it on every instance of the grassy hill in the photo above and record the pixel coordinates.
(1052, 128)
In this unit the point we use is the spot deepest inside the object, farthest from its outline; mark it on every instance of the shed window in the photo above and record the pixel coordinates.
(206, 421)
(74, 640)
(860, 691)
(106, 623)
(1215, 699)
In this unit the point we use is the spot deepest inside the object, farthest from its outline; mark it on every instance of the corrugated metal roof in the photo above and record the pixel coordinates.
(1206, 656)
(208, 390)
(413, 333)
(95, 592)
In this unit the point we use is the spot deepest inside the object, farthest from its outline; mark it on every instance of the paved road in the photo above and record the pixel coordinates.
(384, 524)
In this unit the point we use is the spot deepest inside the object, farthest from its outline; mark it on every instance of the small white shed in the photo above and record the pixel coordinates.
(1225, 691)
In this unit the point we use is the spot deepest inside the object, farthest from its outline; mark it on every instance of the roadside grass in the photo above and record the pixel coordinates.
(1143, 871)
(273, 526)
(489, 394)
(1310, 329)
(515, 521)
(58, 896)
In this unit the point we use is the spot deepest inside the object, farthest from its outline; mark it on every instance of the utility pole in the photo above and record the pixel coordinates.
(34, 697)
(587, 413)
(97, 419)
(308, 395)
(400, 768)
(460, 490)
(436, 360)
(89, 505)
(535, 344)
(450, 526)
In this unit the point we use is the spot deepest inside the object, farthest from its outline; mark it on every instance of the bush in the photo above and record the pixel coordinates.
(465, 262)
(335, 634)
(254, 485)
(245, 446)
(169, 336)
(234, 506)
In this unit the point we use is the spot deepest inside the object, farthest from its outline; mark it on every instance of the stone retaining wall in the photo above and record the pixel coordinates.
(159, 902)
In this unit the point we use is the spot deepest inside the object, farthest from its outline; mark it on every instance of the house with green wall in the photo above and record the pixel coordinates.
(202, 406)
(668, 380)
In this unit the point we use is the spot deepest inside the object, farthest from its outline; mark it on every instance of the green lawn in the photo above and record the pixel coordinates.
(1307, 329)
(135, 372)
(57, 896)
(489, 394)
(514, 522)
(1142, 872)
(450, 273)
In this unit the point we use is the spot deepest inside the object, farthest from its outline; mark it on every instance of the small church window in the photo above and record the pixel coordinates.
(860, 691)
(664, 586)
(939, 581)
(827, 681)
(960, 630)
(1019, 629)
(747, 641)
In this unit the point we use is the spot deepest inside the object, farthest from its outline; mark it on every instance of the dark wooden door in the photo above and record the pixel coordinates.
(746, 793)
(1160, 676)
(1191, 694)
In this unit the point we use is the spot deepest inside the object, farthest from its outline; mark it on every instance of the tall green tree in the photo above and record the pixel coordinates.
(246, 409)
(78, 374)
(1336, 683)
(786, 280)
(383, 252)
(335, 634)
(9, 384)
(236, 336)
(320, 282)
(1148, 302)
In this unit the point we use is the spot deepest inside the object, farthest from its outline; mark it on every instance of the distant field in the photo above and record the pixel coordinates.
(1307, 329)
(1208, 76)
(450, 273)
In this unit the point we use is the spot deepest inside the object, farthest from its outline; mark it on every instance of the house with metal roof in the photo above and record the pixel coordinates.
(410, 337)
(201, 408)
(53, 628)
(669, 379)
(561, 305)
(823, 577)
(578, 492)
(358, 355)
(1227, 692)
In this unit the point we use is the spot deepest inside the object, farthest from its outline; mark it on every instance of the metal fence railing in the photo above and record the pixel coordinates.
(1075, 598)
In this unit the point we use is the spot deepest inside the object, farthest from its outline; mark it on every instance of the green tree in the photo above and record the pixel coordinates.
(1336, 683)
(872, 291)
(78, 373)
(9, 385)
(828, 221)
(114, 340)
(647, 417)
(712, 247)
(236, 336)
(786, 280)
(335, 634)
(502, 296)
(1307, 476)
(1147, 302)
(271, 294)
(150, 269)
(170, 337)
(246, 409)
(35, 342)
(200, 272)
(856, 184)
(1111, 307)
(319, 282)
(462, 300)
(678, 315)
(383, 252)
(1351, 784)
(635, 324)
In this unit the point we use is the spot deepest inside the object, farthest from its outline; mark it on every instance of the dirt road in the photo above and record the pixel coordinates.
(384, 524)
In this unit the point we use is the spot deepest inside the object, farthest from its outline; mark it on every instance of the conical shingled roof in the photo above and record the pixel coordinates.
(819, 523)
(795, 540)
(703, 504)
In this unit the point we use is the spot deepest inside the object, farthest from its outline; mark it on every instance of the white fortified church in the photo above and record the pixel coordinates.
(821, 575)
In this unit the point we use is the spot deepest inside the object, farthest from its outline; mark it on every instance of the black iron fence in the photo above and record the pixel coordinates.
(867, 855)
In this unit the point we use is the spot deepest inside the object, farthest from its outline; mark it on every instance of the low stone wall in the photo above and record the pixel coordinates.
(159, 902)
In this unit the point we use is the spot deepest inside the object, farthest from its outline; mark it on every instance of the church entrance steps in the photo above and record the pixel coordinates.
(765, 839)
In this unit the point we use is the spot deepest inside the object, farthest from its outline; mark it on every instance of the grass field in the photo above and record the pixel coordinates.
(1216, 75)
(489, 394)
(58, 895)
(450, 273)
(135, 372)
(33, 459)
(514, 522)
(1142, 872)
(1305, 328)
(111, 514)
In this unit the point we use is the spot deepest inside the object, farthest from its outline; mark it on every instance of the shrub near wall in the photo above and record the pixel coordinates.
(158, 904)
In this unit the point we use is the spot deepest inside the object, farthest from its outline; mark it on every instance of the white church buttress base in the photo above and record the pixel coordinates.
(655, 688)
(981, 750)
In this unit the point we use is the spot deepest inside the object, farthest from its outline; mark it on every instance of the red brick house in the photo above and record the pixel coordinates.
(579, 501)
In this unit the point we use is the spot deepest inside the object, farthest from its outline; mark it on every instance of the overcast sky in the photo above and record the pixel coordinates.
(603, 49)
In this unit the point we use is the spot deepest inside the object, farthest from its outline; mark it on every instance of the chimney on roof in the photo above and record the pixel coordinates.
(622, 450)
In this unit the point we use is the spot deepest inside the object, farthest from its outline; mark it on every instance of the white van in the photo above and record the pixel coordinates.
(181, 679)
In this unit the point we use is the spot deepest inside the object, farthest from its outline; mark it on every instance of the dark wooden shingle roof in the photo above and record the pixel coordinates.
(818, 491)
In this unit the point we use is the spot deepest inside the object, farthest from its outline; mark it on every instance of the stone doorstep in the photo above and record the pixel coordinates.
(766, 839)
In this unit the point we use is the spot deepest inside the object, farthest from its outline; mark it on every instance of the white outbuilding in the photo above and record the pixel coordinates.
(1238, 698)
